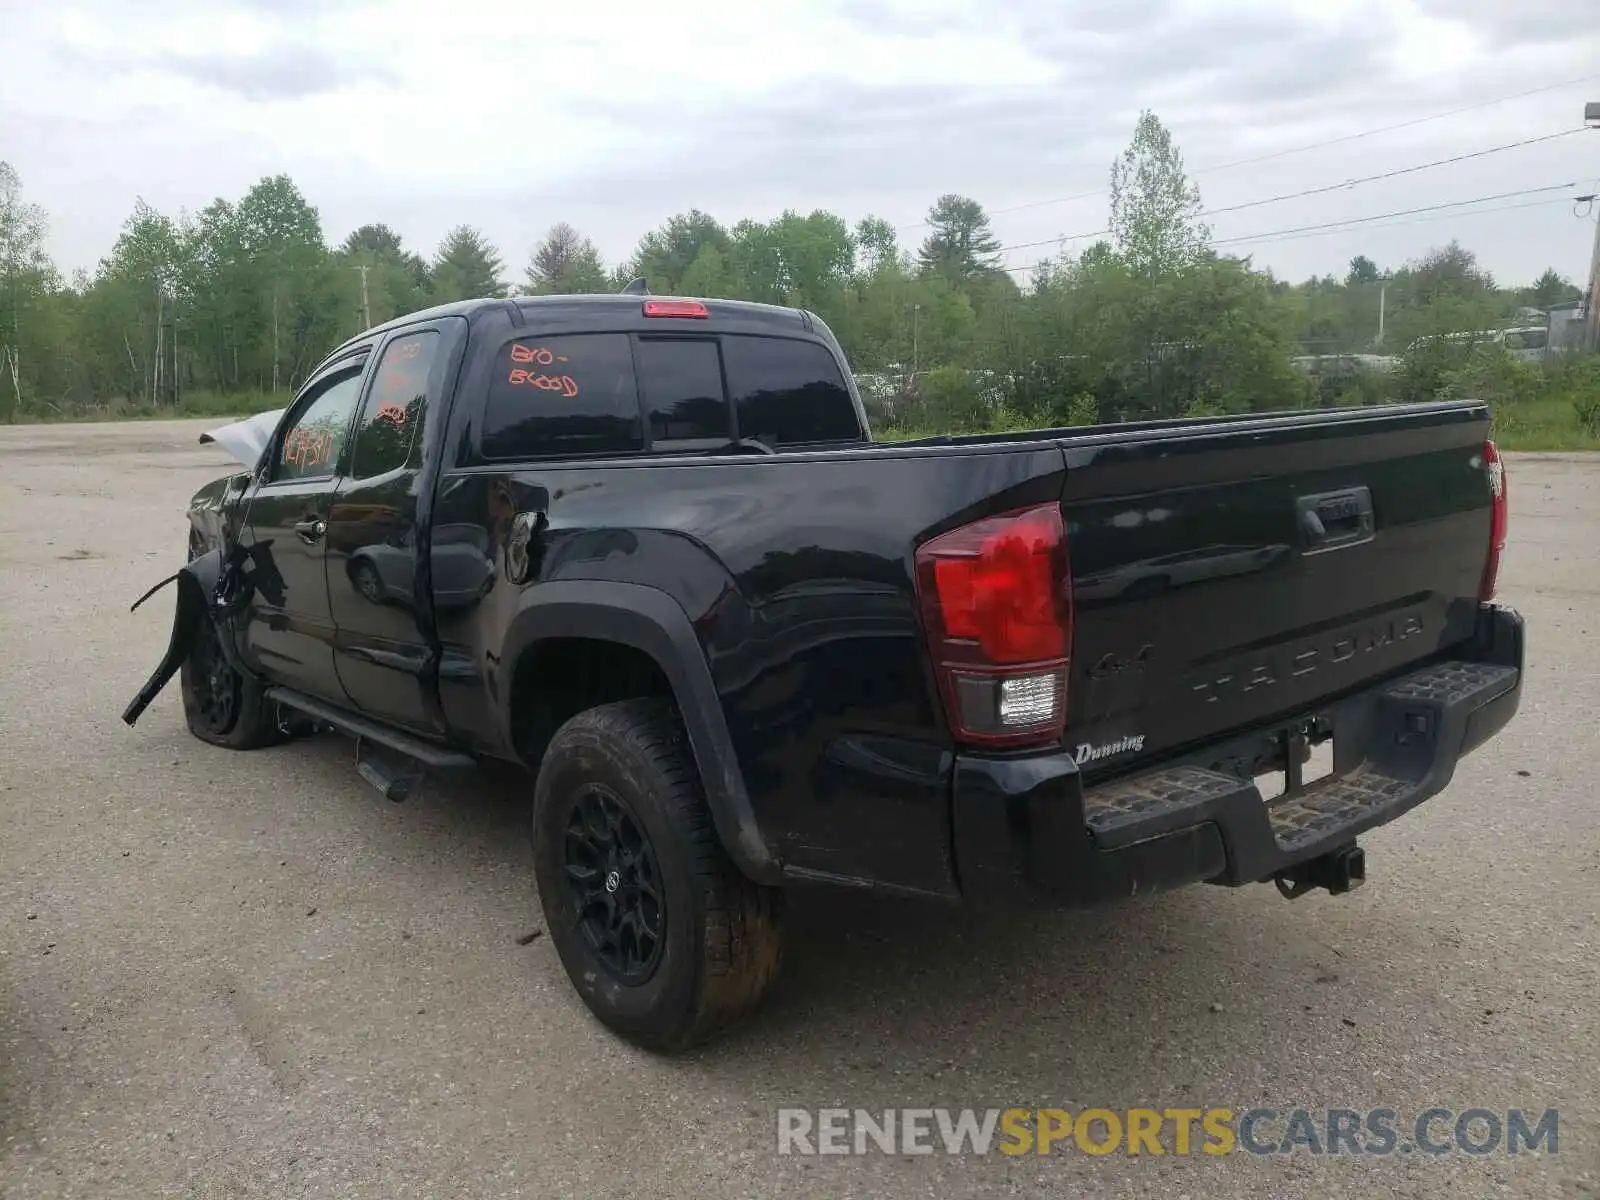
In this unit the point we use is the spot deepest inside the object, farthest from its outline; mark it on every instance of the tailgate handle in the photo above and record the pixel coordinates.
(1334, 520)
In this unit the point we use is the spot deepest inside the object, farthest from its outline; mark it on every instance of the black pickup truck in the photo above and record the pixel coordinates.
(647, 548)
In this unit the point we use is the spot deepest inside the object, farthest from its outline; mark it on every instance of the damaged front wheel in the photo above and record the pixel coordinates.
(220, 705)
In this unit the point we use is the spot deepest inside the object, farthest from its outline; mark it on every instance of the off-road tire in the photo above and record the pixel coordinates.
(721, 941)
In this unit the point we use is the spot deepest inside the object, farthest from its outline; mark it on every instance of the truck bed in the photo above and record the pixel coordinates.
(1202, 604)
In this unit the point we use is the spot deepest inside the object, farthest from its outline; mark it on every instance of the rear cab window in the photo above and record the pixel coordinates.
(680, 381)
(603, 394)
(788, 392)
(559, 396)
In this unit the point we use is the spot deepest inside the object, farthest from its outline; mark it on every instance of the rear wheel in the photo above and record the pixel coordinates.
(664, 938)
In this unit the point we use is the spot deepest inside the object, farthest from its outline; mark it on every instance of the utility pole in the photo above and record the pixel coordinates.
(366, 309)
(1591, 322)
(916, 315)
(1383, 302)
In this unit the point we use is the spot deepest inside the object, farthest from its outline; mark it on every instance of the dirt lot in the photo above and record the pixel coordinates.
(248, 975)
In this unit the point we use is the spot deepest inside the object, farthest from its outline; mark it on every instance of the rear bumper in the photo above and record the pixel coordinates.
(1025, 827)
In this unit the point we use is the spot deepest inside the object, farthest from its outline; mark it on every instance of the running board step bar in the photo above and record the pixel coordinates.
(366, 729)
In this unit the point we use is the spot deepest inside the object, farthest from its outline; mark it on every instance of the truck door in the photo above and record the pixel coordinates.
(288, 628)
(383, 633)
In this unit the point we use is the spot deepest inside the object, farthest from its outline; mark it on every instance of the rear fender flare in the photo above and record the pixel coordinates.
(651, 621)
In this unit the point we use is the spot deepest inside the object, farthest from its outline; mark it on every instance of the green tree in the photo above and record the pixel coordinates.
(139, 287)
(1448, 270)
(877, 243)
(1362, 271)
(26, 276)
(708, 276)
(566, 263)
(1210, 338)
(396, 278)
(284, 261)
(378, 241)
(665, 254)
(802, 261)
(467, 267)
(220, 281)
(1155, 209)
(875, 321)
(960, 245)
(1551, 289)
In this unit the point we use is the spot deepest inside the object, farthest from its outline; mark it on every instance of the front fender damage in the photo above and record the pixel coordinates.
(197, 585)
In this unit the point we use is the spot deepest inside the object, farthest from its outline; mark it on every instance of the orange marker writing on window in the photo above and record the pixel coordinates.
(532, 354)
(564, 384)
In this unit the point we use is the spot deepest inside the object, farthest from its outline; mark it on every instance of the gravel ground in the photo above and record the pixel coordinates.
(247, 975)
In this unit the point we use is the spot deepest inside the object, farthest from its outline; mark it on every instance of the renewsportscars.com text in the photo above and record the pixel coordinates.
(1174, 1131)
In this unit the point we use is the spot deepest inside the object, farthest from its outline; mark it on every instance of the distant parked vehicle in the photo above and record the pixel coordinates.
(1343, 365)
(1529, 343)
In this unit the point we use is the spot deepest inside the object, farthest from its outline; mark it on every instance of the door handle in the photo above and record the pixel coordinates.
(311, 529)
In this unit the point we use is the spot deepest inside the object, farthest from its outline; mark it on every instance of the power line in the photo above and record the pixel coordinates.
(1443, 162)
(1404, 212)
(1268, 239)
(1351, 137)
(1276, 154)
(1340, 226)
(1051, 241)
(1075, 237)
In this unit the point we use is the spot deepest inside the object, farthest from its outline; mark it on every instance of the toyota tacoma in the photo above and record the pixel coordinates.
(647, 548)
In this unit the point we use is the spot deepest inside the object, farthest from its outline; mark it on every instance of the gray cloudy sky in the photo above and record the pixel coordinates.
(613, 114)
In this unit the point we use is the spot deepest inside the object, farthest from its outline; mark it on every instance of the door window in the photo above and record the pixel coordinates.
(393, 413)
(316, 436)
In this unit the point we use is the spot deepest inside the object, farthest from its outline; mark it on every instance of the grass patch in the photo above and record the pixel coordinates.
(224, 406)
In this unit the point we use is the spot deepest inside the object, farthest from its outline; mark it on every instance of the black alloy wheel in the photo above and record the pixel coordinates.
(664, 938)
(615, 884)
(222, 705)
(216, 686)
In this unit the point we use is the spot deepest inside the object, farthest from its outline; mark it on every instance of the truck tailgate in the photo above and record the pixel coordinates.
(1231, 573)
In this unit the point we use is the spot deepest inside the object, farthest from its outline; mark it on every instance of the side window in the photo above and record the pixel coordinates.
(681, 381)
(788, 391)
(570, 394)
(395, 407)
(315, 439)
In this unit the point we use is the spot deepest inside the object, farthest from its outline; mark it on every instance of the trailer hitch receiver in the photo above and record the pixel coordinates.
(1339, 871)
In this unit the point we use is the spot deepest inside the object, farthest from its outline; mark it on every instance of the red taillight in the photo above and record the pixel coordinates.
(997, 607)
(1496, 470)
(675, 308)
